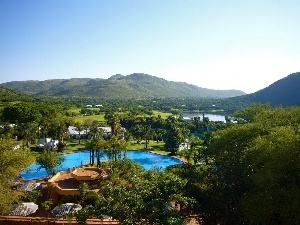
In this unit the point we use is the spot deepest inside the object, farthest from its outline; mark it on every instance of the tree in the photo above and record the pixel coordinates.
(96, 135)
(28, 132)
(12, 162)
(48, 114)
(147, 134)
(194, 151)
(133, 197)
(87, 125)
(49, 160)
(47, 205)
(96, 145)
(274, 198)
(114, 122)
(58, 131)
(250, 113)
(95, 131)
(175, 134)
(7, 131)
(21, 113)
(115, 146)
(252, 175)
(158, 132)
(26, 118)
(79, 128)
(137, 131)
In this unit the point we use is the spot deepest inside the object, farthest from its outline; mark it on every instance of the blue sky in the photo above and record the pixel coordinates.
(220, 44)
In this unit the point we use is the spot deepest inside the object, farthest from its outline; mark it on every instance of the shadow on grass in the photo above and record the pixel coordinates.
(159, 148)
(36, 151)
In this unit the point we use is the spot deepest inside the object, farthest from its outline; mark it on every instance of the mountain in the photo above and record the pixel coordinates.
(8, 95)
(284, 92)
(137, 85)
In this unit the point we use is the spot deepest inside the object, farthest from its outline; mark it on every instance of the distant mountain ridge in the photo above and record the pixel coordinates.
(284, 92)
(137, 85)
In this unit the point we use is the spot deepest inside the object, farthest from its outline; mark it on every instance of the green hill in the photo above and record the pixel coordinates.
(135, 86)
(7, 95)
(284, 92)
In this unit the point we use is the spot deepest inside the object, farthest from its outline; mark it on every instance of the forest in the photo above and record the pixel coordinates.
(244, 171)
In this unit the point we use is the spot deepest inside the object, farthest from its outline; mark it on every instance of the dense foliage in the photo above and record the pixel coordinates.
(134, 196)
(8, 95)
(252, 176)
(12, 161)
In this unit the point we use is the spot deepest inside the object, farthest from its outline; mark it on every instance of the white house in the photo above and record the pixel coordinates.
(74, 134)
(185, 119)
(185, 145)
(47, 143)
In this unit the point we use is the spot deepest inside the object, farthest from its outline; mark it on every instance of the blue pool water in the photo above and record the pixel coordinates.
(147, 159)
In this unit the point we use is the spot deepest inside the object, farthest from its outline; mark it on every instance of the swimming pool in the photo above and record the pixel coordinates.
(147, 159)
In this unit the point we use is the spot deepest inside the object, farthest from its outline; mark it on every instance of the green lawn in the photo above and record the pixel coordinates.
(81, 118)
(162, 114)
(73, 145)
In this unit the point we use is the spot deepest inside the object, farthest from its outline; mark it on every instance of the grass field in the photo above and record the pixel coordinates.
(162, 114)
(73, 145)
(81, 118)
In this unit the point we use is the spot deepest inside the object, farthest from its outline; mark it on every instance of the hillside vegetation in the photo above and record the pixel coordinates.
(135, 86)
(283, 92)
(8, 95)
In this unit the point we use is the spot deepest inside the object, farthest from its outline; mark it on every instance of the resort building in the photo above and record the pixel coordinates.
(67, 182)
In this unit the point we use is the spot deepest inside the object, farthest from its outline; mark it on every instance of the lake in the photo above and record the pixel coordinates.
(211, 116)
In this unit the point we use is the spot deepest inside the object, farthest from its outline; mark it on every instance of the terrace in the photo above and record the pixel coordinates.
(67, 182)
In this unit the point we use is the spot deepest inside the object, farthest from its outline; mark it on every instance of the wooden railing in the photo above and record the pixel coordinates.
(19, 220)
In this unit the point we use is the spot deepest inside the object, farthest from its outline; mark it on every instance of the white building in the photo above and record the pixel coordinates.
(74, 133)
(185, 145)
(47, 143)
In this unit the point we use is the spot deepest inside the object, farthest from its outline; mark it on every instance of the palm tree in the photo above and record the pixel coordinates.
(86, 126)
(148, 133)
(113, 121)
(115, 146)
(79, 128)
(96, 135)
(58, 131)
(96, 145)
